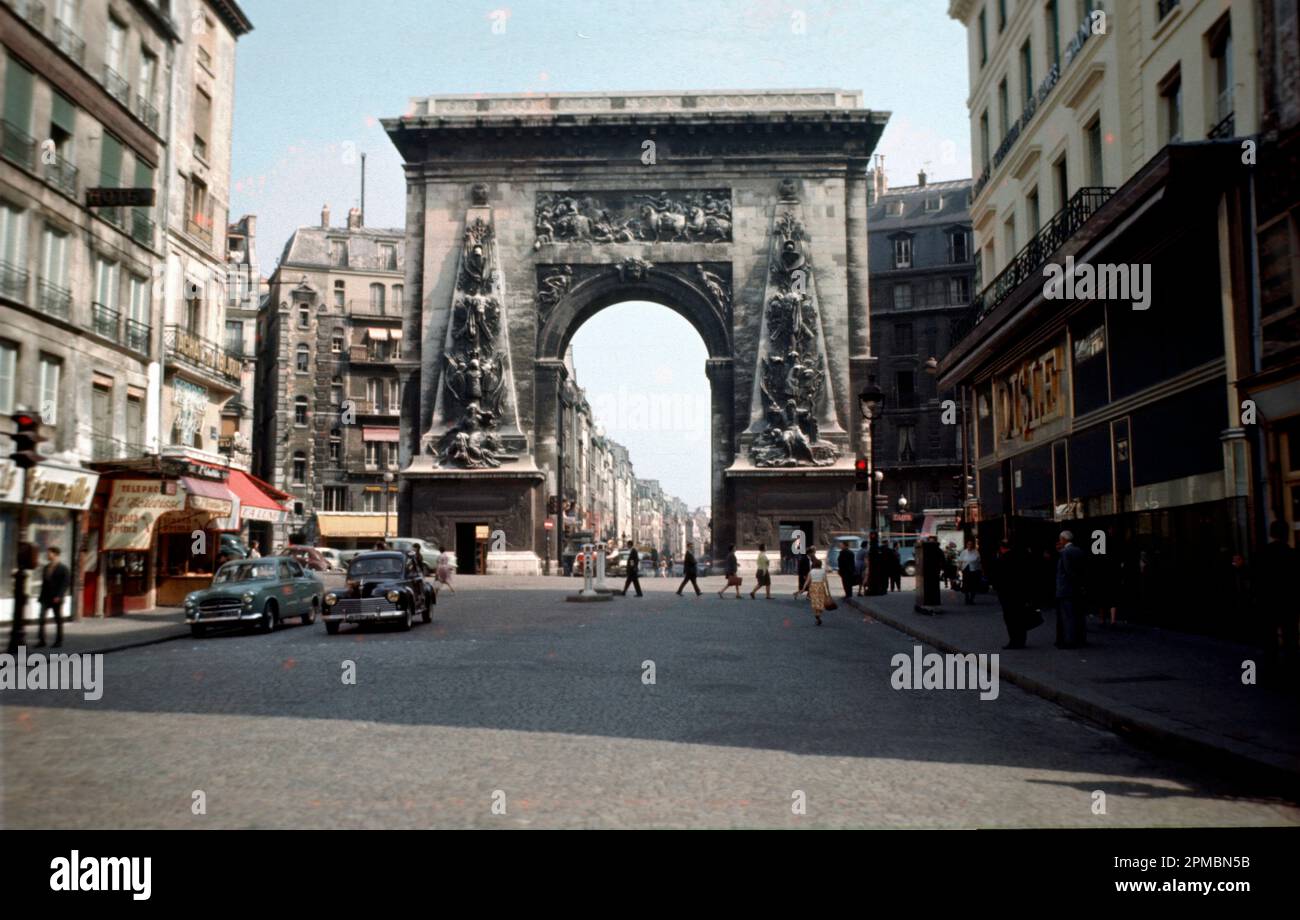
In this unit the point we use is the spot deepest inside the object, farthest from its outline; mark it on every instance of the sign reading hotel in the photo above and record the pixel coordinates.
(132, 510)
(49, 486)
(1030, 395)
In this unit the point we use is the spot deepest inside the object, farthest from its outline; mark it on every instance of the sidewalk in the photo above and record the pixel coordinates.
(1179, 692)
(88, 635)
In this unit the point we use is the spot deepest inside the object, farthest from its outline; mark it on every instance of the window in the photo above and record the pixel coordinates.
(905, 383)
(906, 443)
(202, 122)
(1061, 176)
(336, 447)
(934, 204)
(18, 95)
(377, 298)
(299, 468)
(63, 123)
(336, 391)
(304, 318)
(903, 252)
(1033, 216)
(336, 343)
(893, 209)
(984, 139)
(902, 296)
(303, 361)
(1004, 110)
(300, 411)
(1009, 237)
(198, 202)
(1221, 60)
(336, 498)
(134, 418)
(193, 310)
(1171, 107)
(388, 256)
(959, 246)
(395, 346)
(1096, 168)
(1002, 14)
(374, 393)
(106, 283)
(340, 293)
(398, 291)
(1052, 22)
(958, 290)
(370, 501)
(8, 376)
(54, 257)
(148, 76)
(374, 453)
(394, 395)
(235, 336)
(984, 38)
(1027, 73)
(51, 370)
(904, 340)
(115, 50)
(339, 253)
(13, 248)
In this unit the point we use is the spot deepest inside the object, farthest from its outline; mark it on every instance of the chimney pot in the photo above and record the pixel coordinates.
(325, 217)
(354, 218)
(920, 178)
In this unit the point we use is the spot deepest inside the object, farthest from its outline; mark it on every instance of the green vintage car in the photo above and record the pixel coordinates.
(255, 592)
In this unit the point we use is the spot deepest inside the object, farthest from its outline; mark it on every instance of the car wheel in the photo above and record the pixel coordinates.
(407, 619)
(427, 615)
(309, 617)
(332, 628)
(270, 618)
(198, 631)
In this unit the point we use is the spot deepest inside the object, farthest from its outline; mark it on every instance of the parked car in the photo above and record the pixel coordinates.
(308, 557)
(232, 547)
(255, 592)
(907, 556)
(383, 586)
(831, 557)
(346, 556)
(331, 556)
(427, 553)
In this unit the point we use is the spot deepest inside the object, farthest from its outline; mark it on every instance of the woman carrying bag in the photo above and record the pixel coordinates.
(819, 592)
(732, 570)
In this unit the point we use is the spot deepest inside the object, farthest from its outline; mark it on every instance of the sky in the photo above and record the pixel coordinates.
(314, 78)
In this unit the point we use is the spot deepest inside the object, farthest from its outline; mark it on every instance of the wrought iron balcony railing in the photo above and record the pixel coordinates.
(137, 336)
(17, 146)
(1224, 129)
(117, 85)
(1027, 262)
(31, 10)
(106, 322)
(146, 112)
(68, 41)
(181, 345)
(13, 281)
(63, 176)
(54, 299)
(141, 227)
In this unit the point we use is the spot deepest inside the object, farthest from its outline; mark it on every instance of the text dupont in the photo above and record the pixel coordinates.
(945, 672)
(102, 873)
(52, 672)
(1099, 282)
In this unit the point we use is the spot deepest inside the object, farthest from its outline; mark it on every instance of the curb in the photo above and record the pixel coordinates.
(1144, 729)
(141, 643)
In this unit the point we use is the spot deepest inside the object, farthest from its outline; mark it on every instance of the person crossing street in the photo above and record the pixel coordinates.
(633, 570)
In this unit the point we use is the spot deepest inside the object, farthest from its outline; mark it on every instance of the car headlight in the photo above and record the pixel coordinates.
(331, 599)
(248, 600)
(189, 600)
(394, 596)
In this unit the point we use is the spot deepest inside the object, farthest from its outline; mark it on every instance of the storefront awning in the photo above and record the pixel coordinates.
(377, 334)
(255, 504)
(379, 434)
(209, 495)
(342, 525)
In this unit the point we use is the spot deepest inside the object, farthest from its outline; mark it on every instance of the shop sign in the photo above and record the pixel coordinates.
(133, 508)
(1031, 395)
(50, 486)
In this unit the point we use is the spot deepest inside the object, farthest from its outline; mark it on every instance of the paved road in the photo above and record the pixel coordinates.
(514, 696)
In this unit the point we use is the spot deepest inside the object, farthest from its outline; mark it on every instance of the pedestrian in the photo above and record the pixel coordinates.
(1275, 572)
(950, 565)
(847, 566)
(55, 580)
(633, 570)
(442, 569)
(731, 568)
(877, 566)
(663, 568)
(762, 573)
(1071, 627)
(969, 563)
(1011, 579)
(860, 567)
(895, 568)
(254, 550)
(380, 546)
(689, 571)
(802, 568)
(819, 592)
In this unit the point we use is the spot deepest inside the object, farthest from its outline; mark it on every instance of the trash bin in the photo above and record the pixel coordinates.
(929, 566)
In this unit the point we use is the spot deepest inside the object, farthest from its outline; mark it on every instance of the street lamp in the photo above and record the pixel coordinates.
(388, 500)
(870, 401)
(902, 509)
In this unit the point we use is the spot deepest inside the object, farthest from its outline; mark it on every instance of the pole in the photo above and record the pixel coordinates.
(559, 480)
(16, 637)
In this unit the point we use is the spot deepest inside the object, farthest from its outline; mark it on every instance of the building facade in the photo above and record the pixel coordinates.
(922, 271)
(1097, 362)
(327, 398)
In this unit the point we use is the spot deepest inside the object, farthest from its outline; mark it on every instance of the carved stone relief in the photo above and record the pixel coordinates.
(631, 217)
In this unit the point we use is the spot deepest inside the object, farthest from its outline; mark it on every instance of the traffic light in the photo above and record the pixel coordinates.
(26, 436)
(552, 505)
(861, 475)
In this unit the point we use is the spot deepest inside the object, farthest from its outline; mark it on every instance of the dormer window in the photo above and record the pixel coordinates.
(903, 251)
(893, 209)
(934, 204)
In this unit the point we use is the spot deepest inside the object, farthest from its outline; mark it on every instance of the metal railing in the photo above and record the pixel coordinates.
(106, 322)
(63, 176)
(13, 281)
(17, 146)
(31, 10)
(117, 85)
(53, 299)
(141, 227)
(146, 112)
(137, 336)
(1224, 129)
(201, 353)
(68, 41)
(106, 447)
(1063, 225)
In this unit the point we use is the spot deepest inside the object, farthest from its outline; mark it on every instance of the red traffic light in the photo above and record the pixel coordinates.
(860, 464)
(26, 437)
(25, 421)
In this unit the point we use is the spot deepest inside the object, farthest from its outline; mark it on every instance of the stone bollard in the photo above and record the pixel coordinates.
(600, 585)
(588, 593)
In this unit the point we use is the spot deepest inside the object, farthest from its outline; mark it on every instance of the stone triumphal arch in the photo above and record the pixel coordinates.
(745, 212)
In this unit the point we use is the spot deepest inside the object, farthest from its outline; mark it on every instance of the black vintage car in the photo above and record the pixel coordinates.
(383, 586)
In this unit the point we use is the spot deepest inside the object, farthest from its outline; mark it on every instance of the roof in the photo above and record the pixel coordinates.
(310, 247)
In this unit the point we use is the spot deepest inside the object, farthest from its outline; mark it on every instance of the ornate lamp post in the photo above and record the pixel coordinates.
(871, 401)
(388, 501)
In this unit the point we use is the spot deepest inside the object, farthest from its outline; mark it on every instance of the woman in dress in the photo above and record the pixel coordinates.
(762, 573)
(969, 563)
(443, 570)
(818, 591)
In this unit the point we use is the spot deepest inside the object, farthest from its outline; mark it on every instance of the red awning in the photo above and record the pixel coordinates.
(379, 434)
(208, 488)
(253, 493)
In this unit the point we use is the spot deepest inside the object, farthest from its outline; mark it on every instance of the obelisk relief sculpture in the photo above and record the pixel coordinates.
(792, 403)
(474, 412)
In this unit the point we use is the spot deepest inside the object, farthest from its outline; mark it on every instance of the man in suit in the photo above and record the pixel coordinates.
(1070, 623)
(633, 570)
(847, 565)
(690, 571)
(55, 581)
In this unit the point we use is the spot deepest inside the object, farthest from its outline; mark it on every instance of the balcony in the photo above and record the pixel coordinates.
(117, 85)
(68, 41)
(145, 111)
(1029, 260)
(13, 281)
(183, 347)
(104, 447)
(137, 336)
(106, 322)
(53, 299)
(32, 11)
(141, 227)
(62, 175)
(17, 146)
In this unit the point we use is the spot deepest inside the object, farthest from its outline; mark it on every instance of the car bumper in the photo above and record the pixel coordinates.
(199, 618)
(364, 610)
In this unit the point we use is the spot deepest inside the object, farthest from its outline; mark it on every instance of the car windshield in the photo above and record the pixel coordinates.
(244, 571)
(378, 565)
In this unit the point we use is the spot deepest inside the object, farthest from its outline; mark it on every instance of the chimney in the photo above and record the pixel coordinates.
(881, 185)
(920, 178)
(354, 218)
(324, 217)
